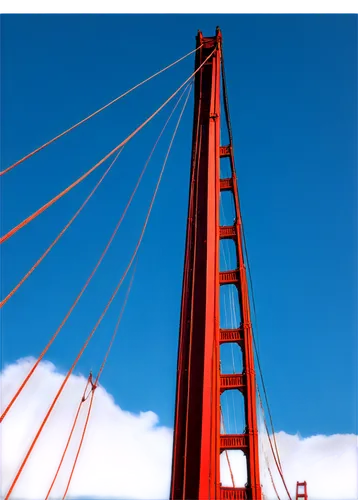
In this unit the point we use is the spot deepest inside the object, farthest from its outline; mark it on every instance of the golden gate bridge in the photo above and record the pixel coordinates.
(200, 437)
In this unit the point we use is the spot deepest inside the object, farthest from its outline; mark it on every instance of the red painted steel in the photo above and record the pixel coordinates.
(226, 184)
(197, 439)
(196, 468)
(235, 335)
(301, 491)
(227, 232)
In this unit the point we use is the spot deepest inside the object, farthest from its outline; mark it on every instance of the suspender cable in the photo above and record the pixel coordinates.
(272, 450)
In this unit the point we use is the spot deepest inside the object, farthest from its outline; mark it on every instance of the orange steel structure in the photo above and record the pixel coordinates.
(301, 491)
(197, 439)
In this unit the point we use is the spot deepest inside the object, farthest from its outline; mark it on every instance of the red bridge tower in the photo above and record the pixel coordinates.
(197, 439)
(301, 491)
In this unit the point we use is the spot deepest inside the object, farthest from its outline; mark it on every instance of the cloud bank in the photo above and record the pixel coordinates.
(123, 455)
(128, 456)
(329, 465)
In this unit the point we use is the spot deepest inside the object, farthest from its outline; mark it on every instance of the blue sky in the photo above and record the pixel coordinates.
(292, 85)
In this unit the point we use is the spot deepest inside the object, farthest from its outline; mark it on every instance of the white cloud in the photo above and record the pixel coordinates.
(123, 455)
(129, 456)
(329, 465)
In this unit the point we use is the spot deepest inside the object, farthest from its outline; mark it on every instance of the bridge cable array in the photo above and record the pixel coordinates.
(187, 90)
(49, 248)
(11, 167)
(69, 373)
(52, 339)
(278, 465)
(47, 205)
(10, 294)
(81, 442)
(83, 399)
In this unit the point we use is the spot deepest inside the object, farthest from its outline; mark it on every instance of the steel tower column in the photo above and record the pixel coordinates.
(301, 491)
(197, 439)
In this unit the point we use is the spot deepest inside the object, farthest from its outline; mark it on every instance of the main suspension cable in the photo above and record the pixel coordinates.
(272, 450)
(79, 355)
(38, 262)
(271, 477)
(26, 221)
(92, 273)
(95, 113)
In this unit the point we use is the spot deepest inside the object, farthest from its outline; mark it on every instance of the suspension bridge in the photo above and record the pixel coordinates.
(216, 308)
